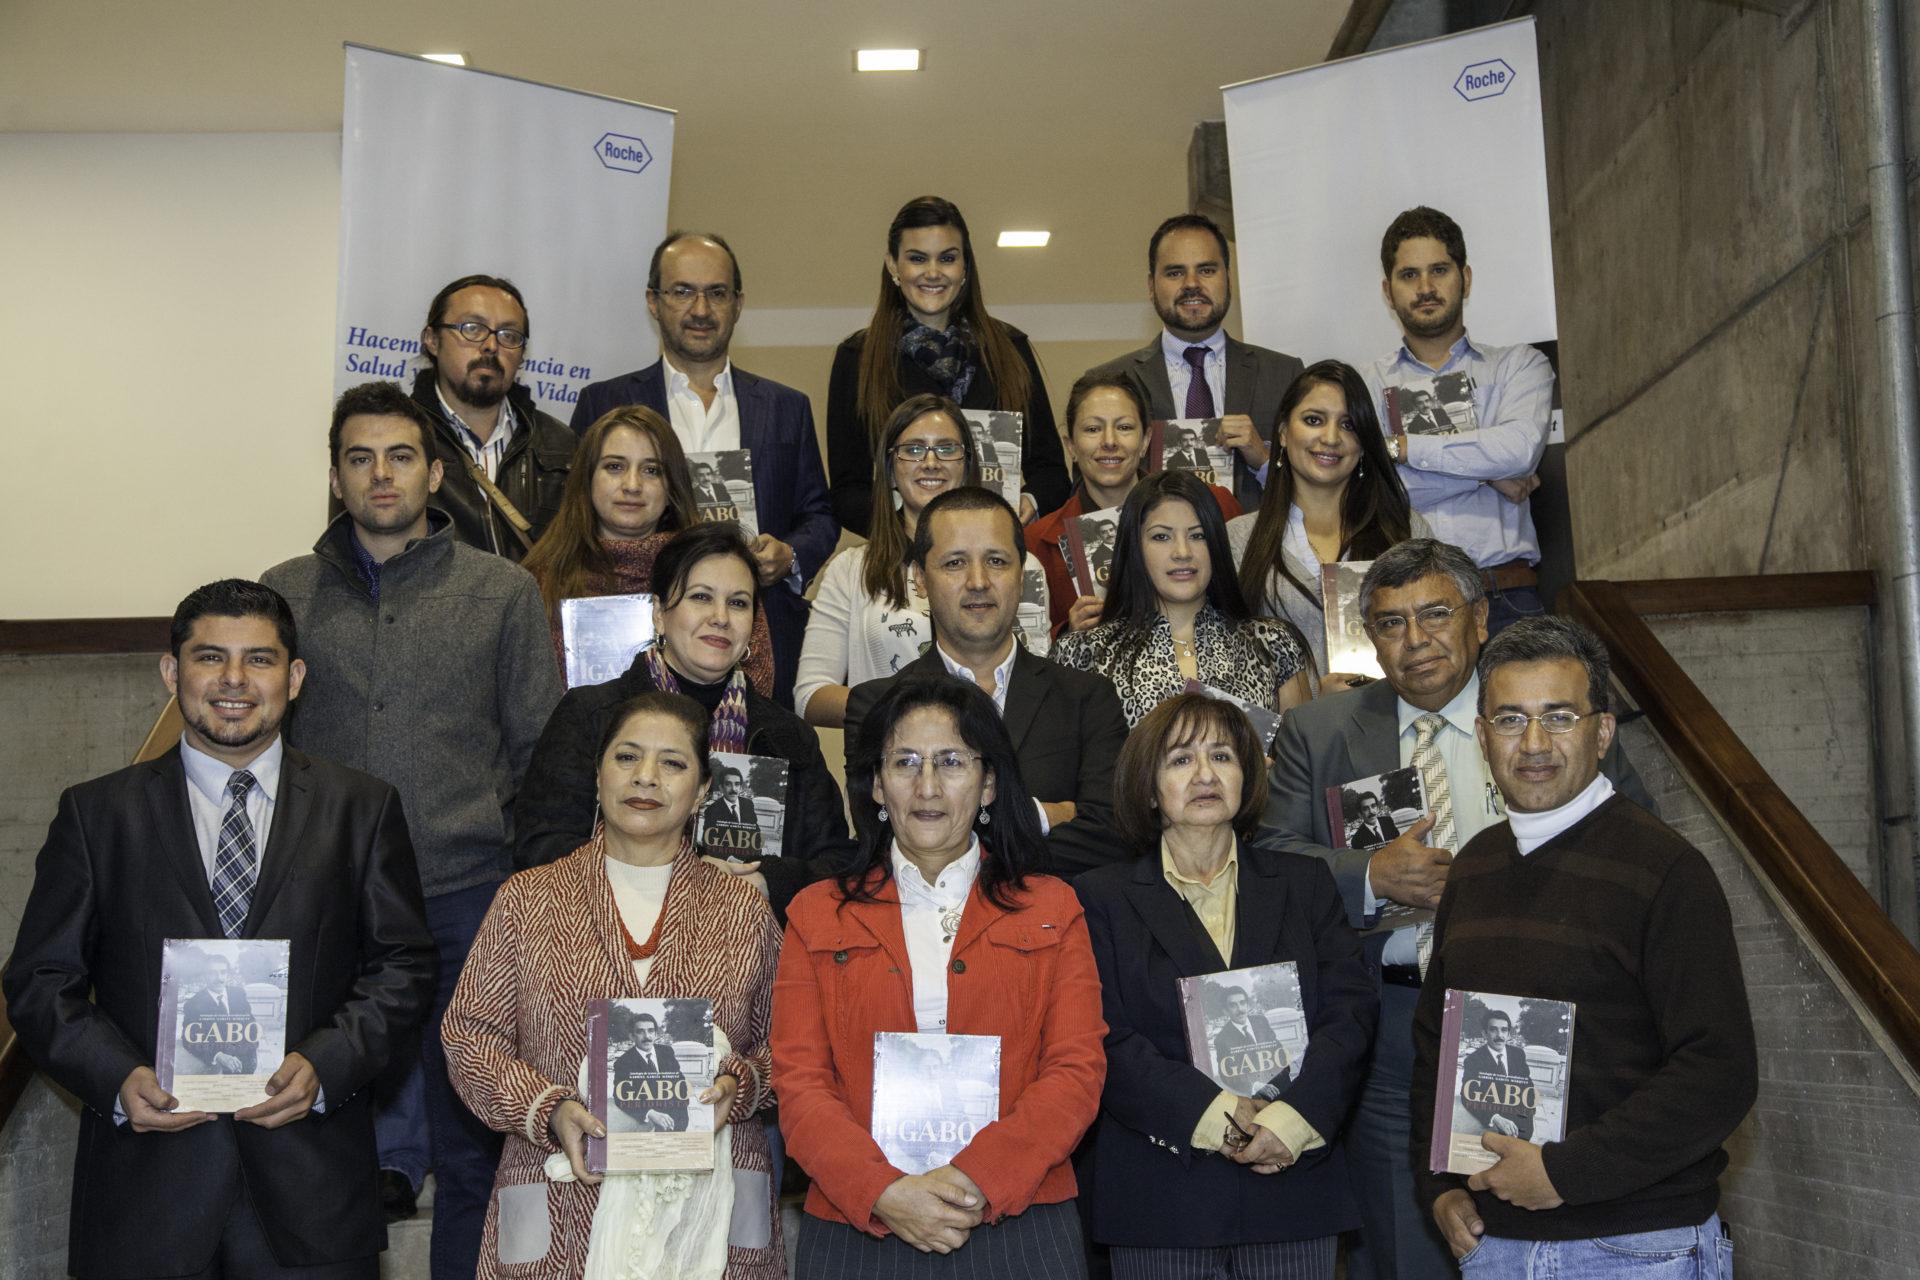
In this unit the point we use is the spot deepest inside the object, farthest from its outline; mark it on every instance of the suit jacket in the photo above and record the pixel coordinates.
(119, 874)
(740, 812)
(1257, 379)
(1067, 729)
(202, 1006)
(1481, 1066)
(1149, 1187)
(789, 485)
(1230, 1037)
(1374, 832)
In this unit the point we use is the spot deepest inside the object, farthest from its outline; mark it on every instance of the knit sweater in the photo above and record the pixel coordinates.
(1624, 918)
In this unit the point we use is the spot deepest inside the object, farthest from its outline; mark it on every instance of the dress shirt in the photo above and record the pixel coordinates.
(1002, 675)
(1531, 830)
(208, 798)
(487, 453)
(639, 893)
(930, 918)
(1446, 475)
(703, 428)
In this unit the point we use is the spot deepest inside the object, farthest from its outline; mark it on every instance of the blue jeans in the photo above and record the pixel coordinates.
(1504, 608)
(1680, 1253)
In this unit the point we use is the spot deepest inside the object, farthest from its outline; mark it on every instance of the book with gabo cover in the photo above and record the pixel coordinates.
(1369, 812)
(1349, 647)
(1504, 1063)
(1265, 720)
(931, 1094)
(723, 488)
(1190, 444)
(1441, 405)
(1086, 544)
(1246, 1028)
(1033, 620)
(648, 1063)
(223, 1020)
(601, 635)
(745, 815)
(998, 437)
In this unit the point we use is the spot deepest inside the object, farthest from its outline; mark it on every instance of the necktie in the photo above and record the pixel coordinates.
(1433, 774)
(1199, 394)
(235, 865)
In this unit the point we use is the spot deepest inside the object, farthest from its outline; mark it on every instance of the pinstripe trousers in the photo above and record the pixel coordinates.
(1041, 1244)
(1285, 1260)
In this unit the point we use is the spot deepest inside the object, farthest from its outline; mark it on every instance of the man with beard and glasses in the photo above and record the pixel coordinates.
(504, 462)
(430, 666)
(694, 297)
(1472, 483)
(1238, 383)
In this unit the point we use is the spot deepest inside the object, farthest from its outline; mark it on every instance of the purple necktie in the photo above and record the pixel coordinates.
(1199, 394)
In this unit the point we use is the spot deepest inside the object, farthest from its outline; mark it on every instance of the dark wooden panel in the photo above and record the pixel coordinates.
(1358, 27)
(1759, 591)
(84, 635)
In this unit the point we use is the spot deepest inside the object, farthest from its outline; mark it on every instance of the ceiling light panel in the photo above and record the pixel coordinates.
(886, 59)
(1024, 239)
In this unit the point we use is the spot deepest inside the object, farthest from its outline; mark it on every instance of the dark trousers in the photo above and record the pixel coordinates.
(1284, 1260)
(1398, 1239)
(245, 1255)
(1041, 1244)
(1504, 608)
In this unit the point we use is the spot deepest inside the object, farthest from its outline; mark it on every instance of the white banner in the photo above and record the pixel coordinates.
(1323, 158)
(447, 172)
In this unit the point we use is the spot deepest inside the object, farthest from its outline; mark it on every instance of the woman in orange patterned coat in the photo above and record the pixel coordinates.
(563, 934)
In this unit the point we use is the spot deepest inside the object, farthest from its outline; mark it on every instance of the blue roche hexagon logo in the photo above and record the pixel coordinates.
(1487, 79)
(618, 151)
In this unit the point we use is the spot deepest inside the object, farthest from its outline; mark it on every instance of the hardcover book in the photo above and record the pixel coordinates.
(746, 810)
(1190, 444)
(1369, 812)
(650, 1060)
(1086, 544)
(723, 488)
(1265, 720)
(998, 437)
(931, 1094)
(1247, 1028)
(601, 635)
(1435, 406)
(1349, 647)
(1504, 1063)
(223, 1020)
(1033, 622)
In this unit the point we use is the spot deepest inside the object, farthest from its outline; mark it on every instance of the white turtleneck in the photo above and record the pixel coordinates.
(1531, 830)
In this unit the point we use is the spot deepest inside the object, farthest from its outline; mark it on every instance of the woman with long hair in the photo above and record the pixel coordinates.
(942, 927)
(627, 495)
(1332, 494)
(1174, 611)
(930, 332)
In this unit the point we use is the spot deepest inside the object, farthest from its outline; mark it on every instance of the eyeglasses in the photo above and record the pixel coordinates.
(682, 295)
(1511, 724)
(1432, 619)
(476, 333)
(946, 451)
(905, 766)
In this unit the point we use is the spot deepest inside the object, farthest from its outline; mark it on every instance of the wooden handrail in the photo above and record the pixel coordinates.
(47, 636)
(1756, 591)
(1866, 947)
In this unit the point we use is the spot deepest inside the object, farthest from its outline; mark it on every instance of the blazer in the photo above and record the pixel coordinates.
(1148, 1186)
(1024, 975)
(789, 484)
(119, 874)
(1257, 379)
(1067, 730)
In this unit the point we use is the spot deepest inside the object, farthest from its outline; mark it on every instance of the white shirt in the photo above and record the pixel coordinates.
(486, 453)
(1002, 677)
(208, 799)
(639, 894)
(703, 428)
(930, 918)
(1531, 830)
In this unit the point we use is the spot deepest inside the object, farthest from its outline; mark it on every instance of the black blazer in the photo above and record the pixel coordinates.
(1067, 729)
(1148, 1186)
(1043, 463)
(119, 874)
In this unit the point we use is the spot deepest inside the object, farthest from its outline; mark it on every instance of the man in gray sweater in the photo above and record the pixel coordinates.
(429, 665)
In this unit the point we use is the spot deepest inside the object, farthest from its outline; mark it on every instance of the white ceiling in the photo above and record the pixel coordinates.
(1073, 115)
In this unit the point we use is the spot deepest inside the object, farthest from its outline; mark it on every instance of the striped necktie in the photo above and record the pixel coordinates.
(1433, 775)
(235, 864)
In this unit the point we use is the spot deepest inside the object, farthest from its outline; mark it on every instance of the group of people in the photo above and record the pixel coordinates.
(1036, 842)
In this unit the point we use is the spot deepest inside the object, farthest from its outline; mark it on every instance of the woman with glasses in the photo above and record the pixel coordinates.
(1332, 494)
(1233, 1166)
(626, 496)
(869, 620)
(931, 333)
(1174, 612)
(942, 928)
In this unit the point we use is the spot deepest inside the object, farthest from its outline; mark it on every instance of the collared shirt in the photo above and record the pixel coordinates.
(703, 428)
(364, 561)
(1446, 475)
(208, 798)
(1180, 373)
(1002, 677)
(930, 919)
(1213, 901)
(1531, 830)
(487, 453)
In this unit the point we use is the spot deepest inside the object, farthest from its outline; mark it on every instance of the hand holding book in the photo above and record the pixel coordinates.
(1520, 1176)
(930, 1213)
(1408, 870)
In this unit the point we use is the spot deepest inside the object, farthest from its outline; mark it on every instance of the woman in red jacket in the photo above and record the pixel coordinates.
(935, 932)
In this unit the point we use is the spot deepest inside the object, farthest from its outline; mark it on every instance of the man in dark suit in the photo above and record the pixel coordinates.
(694, 296)
(708, 489)
(1425, 607)
(1066, 725)
(647, 1083)
(1496, 1085)
(1241, 384)
(1376, 826)
(213, 1024)
(230, 834)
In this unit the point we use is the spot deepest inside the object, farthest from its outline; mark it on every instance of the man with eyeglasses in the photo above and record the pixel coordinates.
(694, 296)
(1663, 1067)
(1425, 607)
(504, 462)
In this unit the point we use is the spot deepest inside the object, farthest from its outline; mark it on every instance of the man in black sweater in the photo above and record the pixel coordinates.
(1584, 896)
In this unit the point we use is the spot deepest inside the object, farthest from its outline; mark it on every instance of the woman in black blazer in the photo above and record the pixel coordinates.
(930, 332)
(1188, 1178)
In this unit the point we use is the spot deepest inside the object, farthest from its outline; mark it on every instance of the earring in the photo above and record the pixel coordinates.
(985, 817)
(1360, 470)
(896, 282)
(882, 815)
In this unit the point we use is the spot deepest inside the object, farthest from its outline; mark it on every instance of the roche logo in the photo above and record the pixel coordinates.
(618, 151)
(1484, 80)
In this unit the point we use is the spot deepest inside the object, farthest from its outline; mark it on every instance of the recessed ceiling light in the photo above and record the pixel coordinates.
(1024, 239)
(451, 59)
(886, 59)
